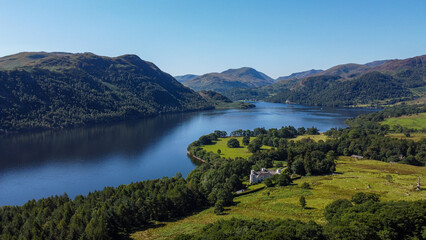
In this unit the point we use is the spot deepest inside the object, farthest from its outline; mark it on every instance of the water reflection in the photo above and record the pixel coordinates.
(91, 143)
(78, 161)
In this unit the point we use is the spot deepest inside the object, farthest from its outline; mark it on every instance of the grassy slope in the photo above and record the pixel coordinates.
(227, 152)
(313, 137)
(416, 121)
(353, 176)
(416, 136)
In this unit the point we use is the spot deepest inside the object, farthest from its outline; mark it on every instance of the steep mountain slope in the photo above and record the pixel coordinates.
(185, 77)
(57, 90)
(232, 78)
(303, 74)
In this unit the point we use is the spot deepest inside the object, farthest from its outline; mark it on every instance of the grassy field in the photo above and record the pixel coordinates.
(313, 137)
(391, 181)
(227, 152)
(416, 121)
(417, 136)
(242, 151)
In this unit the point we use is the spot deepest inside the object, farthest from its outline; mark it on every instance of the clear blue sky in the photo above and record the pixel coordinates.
(275, 37)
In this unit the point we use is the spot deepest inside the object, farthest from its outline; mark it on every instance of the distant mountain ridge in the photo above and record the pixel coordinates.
(375, 83)
(299, 75)
(232, 78)
(55, 90)
(185, 77)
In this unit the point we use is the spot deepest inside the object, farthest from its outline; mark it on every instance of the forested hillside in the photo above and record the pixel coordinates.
(372, 84)
(331, 91)
(59, 90)
(229, 79)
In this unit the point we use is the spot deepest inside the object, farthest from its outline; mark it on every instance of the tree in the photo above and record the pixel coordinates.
(233, 143)
(219, 151)
(302, 201)
(205, 140)
(268, 182)
(218, 207)
(306, 185)
(220, 134)
(312, 131)
(336, 208)
(361, 197)
(254, 145)
(298, 167)
(301, 131)
(97, 229)
(284, 180)
(246, 140)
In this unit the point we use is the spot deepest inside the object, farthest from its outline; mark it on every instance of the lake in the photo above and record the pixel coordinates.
(78, 161)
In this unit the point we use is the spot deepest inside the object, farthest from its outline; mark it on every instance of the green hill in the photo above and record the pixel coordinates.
(185, 78)
(221, 102)
(372, 84)
(393, 182)
(58, 90)
(229, 79)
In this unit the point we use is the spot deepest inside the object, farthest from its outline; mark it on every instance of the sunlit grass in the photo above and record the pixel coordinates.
(313, 137)
(283, 202)
(227, 152)
(242, 151)
(415, 121)
(417, 136)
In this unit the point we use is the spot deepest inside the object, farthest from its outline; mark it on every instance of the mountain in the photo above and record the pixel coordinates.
(350, 70)
(209, 95)
(372, 84)
(299, 75)
(41, 90)
(221, 102)
(376, 63)
(232, 78)
(185, 78)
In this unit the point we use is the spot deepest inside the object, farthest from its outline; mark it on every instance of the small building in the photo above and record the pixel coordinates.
(357, 157)
(260, 176)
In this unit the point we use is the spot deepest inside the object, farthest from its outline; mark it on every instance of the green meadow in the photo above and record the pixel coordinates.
(416, 136)
(242, 151)
(390, 180)
(415, 121)
(227, 152)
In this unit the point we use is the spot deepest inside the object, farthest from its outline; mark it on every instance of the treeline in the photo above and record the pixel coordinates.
(363, 218)
(106, 214)
(373, 144)
(113, 212)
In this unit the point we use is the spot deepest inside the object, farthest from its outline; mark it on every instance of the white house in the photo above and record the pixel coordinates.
(257, 177)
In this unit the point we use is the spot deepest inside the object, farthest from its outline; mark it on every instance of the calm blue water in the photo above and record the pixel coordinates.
(78, 161)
